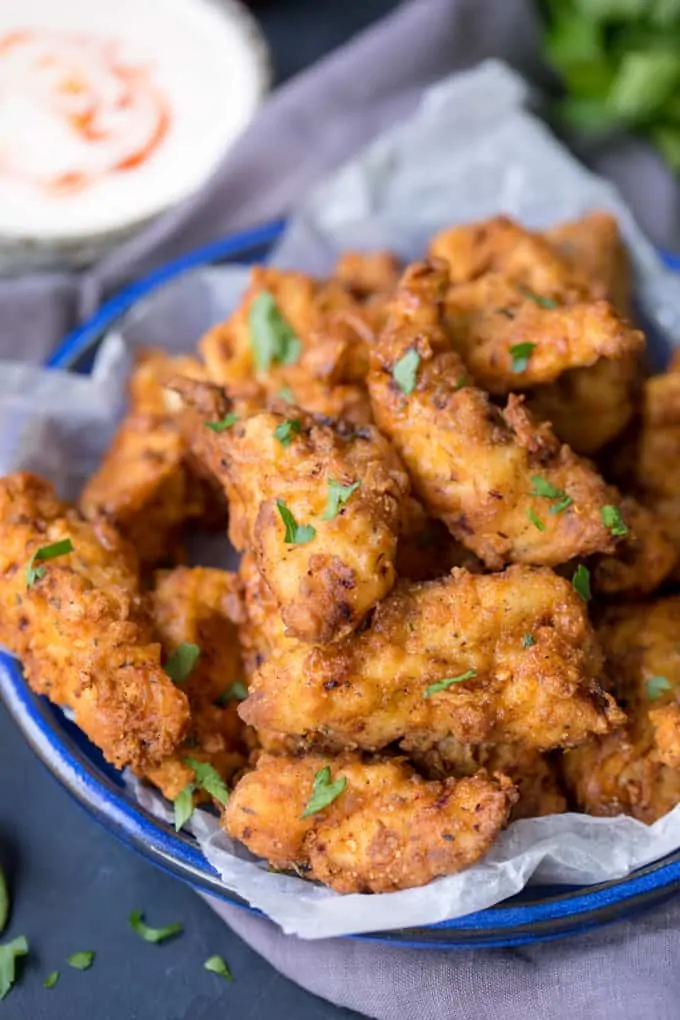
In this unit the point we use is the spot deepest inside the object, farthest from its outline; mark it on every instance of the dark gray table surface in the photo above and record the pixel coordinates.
(73, 885)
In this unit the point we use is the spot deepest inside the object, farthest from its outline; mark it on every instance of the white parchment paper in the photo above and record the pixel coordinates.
(471, 151)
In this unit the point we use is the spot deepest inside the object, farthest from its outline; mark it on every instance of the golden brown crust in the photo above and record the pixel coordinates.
(644, 558)
(592, 246)
(388, 829)
(368, 273)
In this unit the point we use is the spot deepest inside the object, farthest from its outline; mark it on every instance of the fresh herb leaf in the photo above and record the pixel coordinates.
(225, 423)
(405, 371)
(155, 935)
(272, 340)
(323, 791)
(538, 299)
(4, 901)
(51, 979)
(286, 430)
(235, 692)
(528, 641)
(218, 965)
(443, 685)
(82, 960)
(612, 519)
(656, 686)
(285, 393)
(561, 504)
(184, 806)
(46, 552)
(296, 534)
(520, 354)
(542, 487)
(536, 521)
(580, 582)
(9, 954)
(338, 495)
(209, 779)
(182, 661)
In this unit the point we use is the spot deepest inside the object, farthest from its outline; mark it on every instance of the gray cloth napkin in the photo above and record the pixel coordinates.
(307, 129)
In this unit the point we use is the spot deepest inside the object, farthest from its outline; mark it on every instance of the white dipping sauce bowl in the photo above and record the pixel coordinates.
(207, 60)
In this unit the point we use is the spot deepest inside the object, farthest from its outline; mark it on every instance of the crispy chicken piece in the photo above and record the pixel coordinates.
(535, 775)
(327, 554)
(593, 247)
(634, 770)
(203, 606)
(368, 273)
(262, 632)
(149, 485)
(82, 629)
(324, 356)
(516, 649)
(644, 558)
(477, 468)
(388, 829)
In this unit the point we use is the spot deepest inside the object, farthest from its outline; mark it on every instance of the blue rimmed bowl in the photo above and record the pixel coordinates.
(539, 913)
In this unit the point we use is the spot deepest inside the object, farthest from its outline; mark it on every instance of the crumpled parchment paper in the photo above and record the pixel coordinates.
(471, 151)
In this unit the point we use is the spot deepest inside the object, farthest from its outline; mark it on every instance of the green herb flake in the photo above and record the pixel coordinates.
(46, 552)
(272, 340)
(656, 686)
(208, 779)
(51, 979)
(538, 299)
(405, 371)
(155, 935)
(182, 661)
(612, 519)
(9, 954)
(580, 582)
(296, 534)
(449, 681)
(184, 806)
(528, 641)
(218, 965)
(324, 792)
(536, 521)
(338, 495)
(82, 960)
(235, 692)
(286, 394)
(225, 423)
(520, 354)
(543, 488)
(461, 383)
(285, 431)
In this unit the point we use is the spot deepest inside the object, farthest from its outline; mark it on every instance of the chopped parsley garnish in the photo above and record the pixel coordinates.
(539, 299)
(287, 430)
(656, 686)
(235, 692)
(296, 534)
(338, 495)
(51, 979)
(520, 354)
(9, 953)
(208, 779)
(542, 487)
(580, 582)
(82, 960)
(443, 685)
(528, 641)
(272, 339)
(182, 661)
(323, 791)
(461, 383)
(285, 393)
(225, 423)
(405, 371)
(537, 523)
(612, 519)
(155, 935)
(184, 806)
(46, 552)
(218, 965)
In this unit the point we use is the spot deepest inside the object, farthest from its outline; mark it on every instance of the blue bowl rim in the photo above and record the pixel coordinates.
(566, 912)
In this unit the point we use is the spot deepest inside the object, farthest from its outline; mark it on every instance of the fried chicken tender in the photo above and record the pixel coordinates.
(330, 562)
(644, 558)
(592, 246)
(323, 365)
(478, 468)
(520, 661)
(203, 606)
(535, 775)
(388, 829)
(262, 632)
(368, 274)
(149, 485)
(634, 770)
(82, 629)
